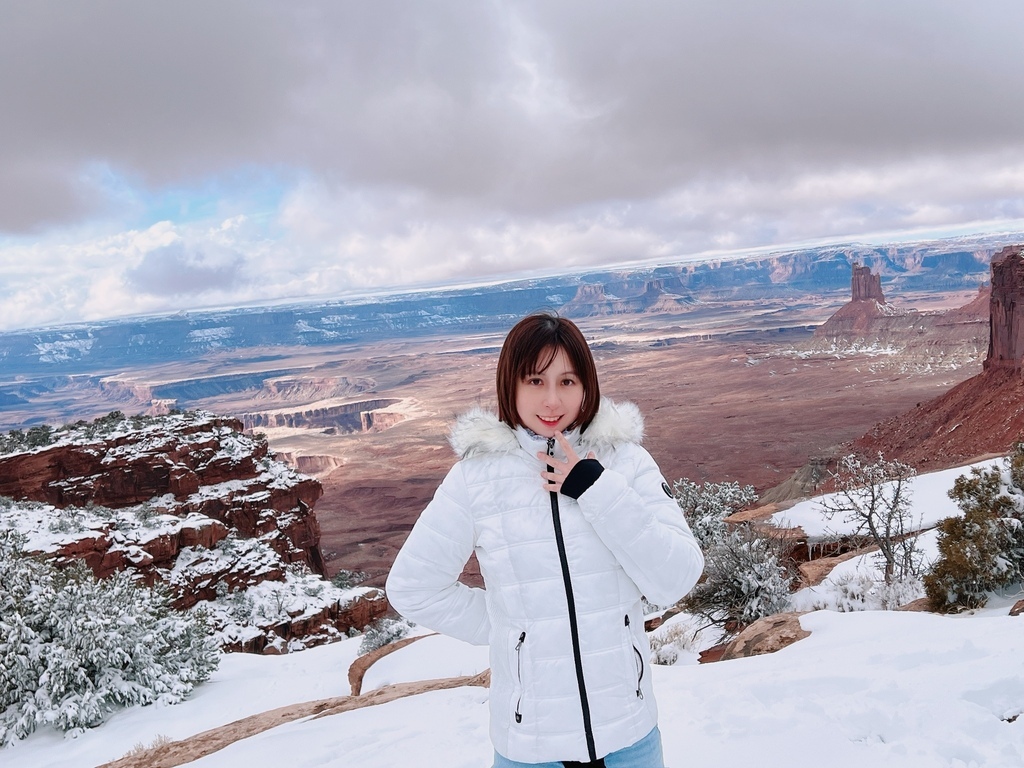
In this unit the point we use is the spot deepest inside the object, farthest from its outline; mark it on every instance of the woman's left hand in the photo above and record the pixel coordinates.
(553, 480)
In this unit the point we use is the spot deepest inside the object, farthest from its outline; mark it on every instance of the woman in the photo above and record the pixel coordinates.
(567, 546)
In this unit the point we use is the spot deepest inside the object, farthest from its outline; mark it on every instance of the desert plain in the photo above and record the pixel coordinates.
(729, 391)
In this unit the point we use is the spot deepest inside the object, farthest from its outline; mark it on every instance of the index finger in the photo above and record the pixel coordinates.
(566, 446)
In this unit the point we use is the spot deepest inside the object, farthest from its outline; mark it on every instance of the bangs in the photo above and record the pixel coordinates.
(548, 357)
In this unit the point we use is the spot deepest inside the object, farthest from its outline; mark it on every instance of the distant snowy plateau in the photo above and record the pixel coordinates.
(89, 348)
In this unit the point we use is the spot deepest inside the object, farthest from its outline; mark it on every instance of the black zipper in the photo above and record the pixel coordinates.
(588, 727)
(640, 660)
(518, 664)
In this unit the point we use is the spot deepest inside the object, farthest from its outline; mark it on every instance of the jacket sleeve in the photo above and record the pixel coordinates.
(640, 522)
(423, 583)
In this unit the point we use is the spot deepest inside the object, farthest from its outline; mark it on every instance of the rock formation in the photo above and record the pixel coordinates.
(176, 464)
(866, 286)
(190, 502)
(649, 296)
(900, 337)
(326, 414)
(982, 415)
(856, 319)
(767, 635)
(1006, 326)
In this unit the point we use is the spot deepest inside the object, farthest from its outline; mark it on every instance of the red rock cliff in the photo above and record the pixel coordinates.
(177, 462)
(188, 501)
(1006, 308)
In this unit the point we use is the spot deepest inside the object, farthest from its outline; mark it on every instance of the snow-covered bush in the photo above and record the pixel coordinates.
(669, 641)
(982, 551)
(860, 591)
(746, 577)
(706, 505)
(382, 632)
(874, 496)
(345, 579)
(74, 648)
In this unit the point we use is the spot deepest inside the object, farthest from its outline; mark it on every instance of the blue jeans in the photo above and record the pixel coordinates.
(646, 753)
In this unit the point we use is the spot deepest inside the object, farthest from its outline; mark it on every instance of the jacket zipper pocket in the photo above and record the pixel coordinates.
(639, 661)
(519, 675)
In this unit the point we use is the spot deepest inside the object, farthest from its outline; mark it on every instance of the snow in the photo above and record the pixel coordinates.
(930, 500)
(211, 334)
(441, 728)
(430, 658)
(867, 688)
(65, 350)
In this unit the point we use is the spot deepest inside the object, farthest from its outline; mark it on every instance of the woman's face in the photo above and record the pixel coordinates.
(550, 400)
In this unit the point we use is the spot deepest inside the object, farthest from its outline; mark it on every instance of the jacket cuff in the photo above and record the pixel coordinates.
(581, 477)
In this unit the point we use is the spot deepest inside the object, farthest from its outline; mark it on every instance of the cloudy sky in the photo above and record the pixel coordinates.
(165, 156)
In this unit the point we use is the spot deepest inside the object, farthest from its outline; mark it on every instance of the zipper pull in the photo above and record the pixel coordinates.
(627, 619)
(551, 446)
(519, 671)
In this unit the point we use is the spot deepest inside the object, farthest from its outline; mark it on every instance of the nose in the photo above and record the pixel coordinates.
(551, 395)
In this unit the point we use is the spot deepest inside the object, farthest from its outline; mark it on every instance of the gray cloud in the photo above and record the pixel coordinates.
(163, 92)
(523, 106)
(177, 270)
(556, 104)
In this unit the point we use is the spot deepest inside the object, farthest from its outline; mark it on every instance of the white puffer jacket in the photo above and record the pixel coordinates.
(568, 650)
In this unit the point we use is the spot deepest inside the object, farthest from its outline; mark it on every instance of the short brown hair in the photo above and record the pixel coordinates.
(530, 347)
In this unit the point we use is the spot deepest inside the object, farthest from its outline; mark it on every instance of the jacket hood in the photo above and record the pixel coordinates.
(479, 432)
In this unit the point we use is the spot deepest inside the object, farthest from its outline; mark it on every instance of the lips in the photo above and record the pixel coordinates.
(550, 422)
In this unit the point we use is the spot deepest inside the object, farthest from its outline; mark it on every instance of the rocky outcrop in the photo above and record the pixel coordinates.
(190, 502)
(341, 417)
(1006, 327)
(182, 467)
(315, 627)
(593, 300)
(858, 318)
(766, 635)
(866, 286)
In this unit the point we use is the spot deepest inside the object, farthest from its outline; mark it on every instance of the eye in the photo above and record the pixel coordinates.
(568, 382)
(533, 380)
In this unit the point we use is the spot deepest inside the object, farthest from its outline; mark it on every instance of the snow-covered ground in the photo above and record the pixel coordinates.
(929, 498)
(870, 688)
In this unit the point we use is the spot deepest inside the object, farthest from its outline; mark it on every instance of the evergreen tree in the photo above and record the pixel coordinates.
(983, 550)
(73, 648)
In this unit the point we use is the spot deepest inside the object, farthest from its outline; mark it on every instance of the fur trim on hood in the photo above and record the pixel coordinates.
(479, 432)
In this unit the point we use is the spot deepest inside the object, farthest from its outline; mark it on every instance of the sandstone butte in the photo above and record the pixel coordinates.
(203, 481)
(868, 319)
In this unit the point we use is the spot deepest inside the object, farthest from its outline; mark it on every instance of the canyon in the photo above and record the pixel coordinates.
(985, 413)
(743, 368)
